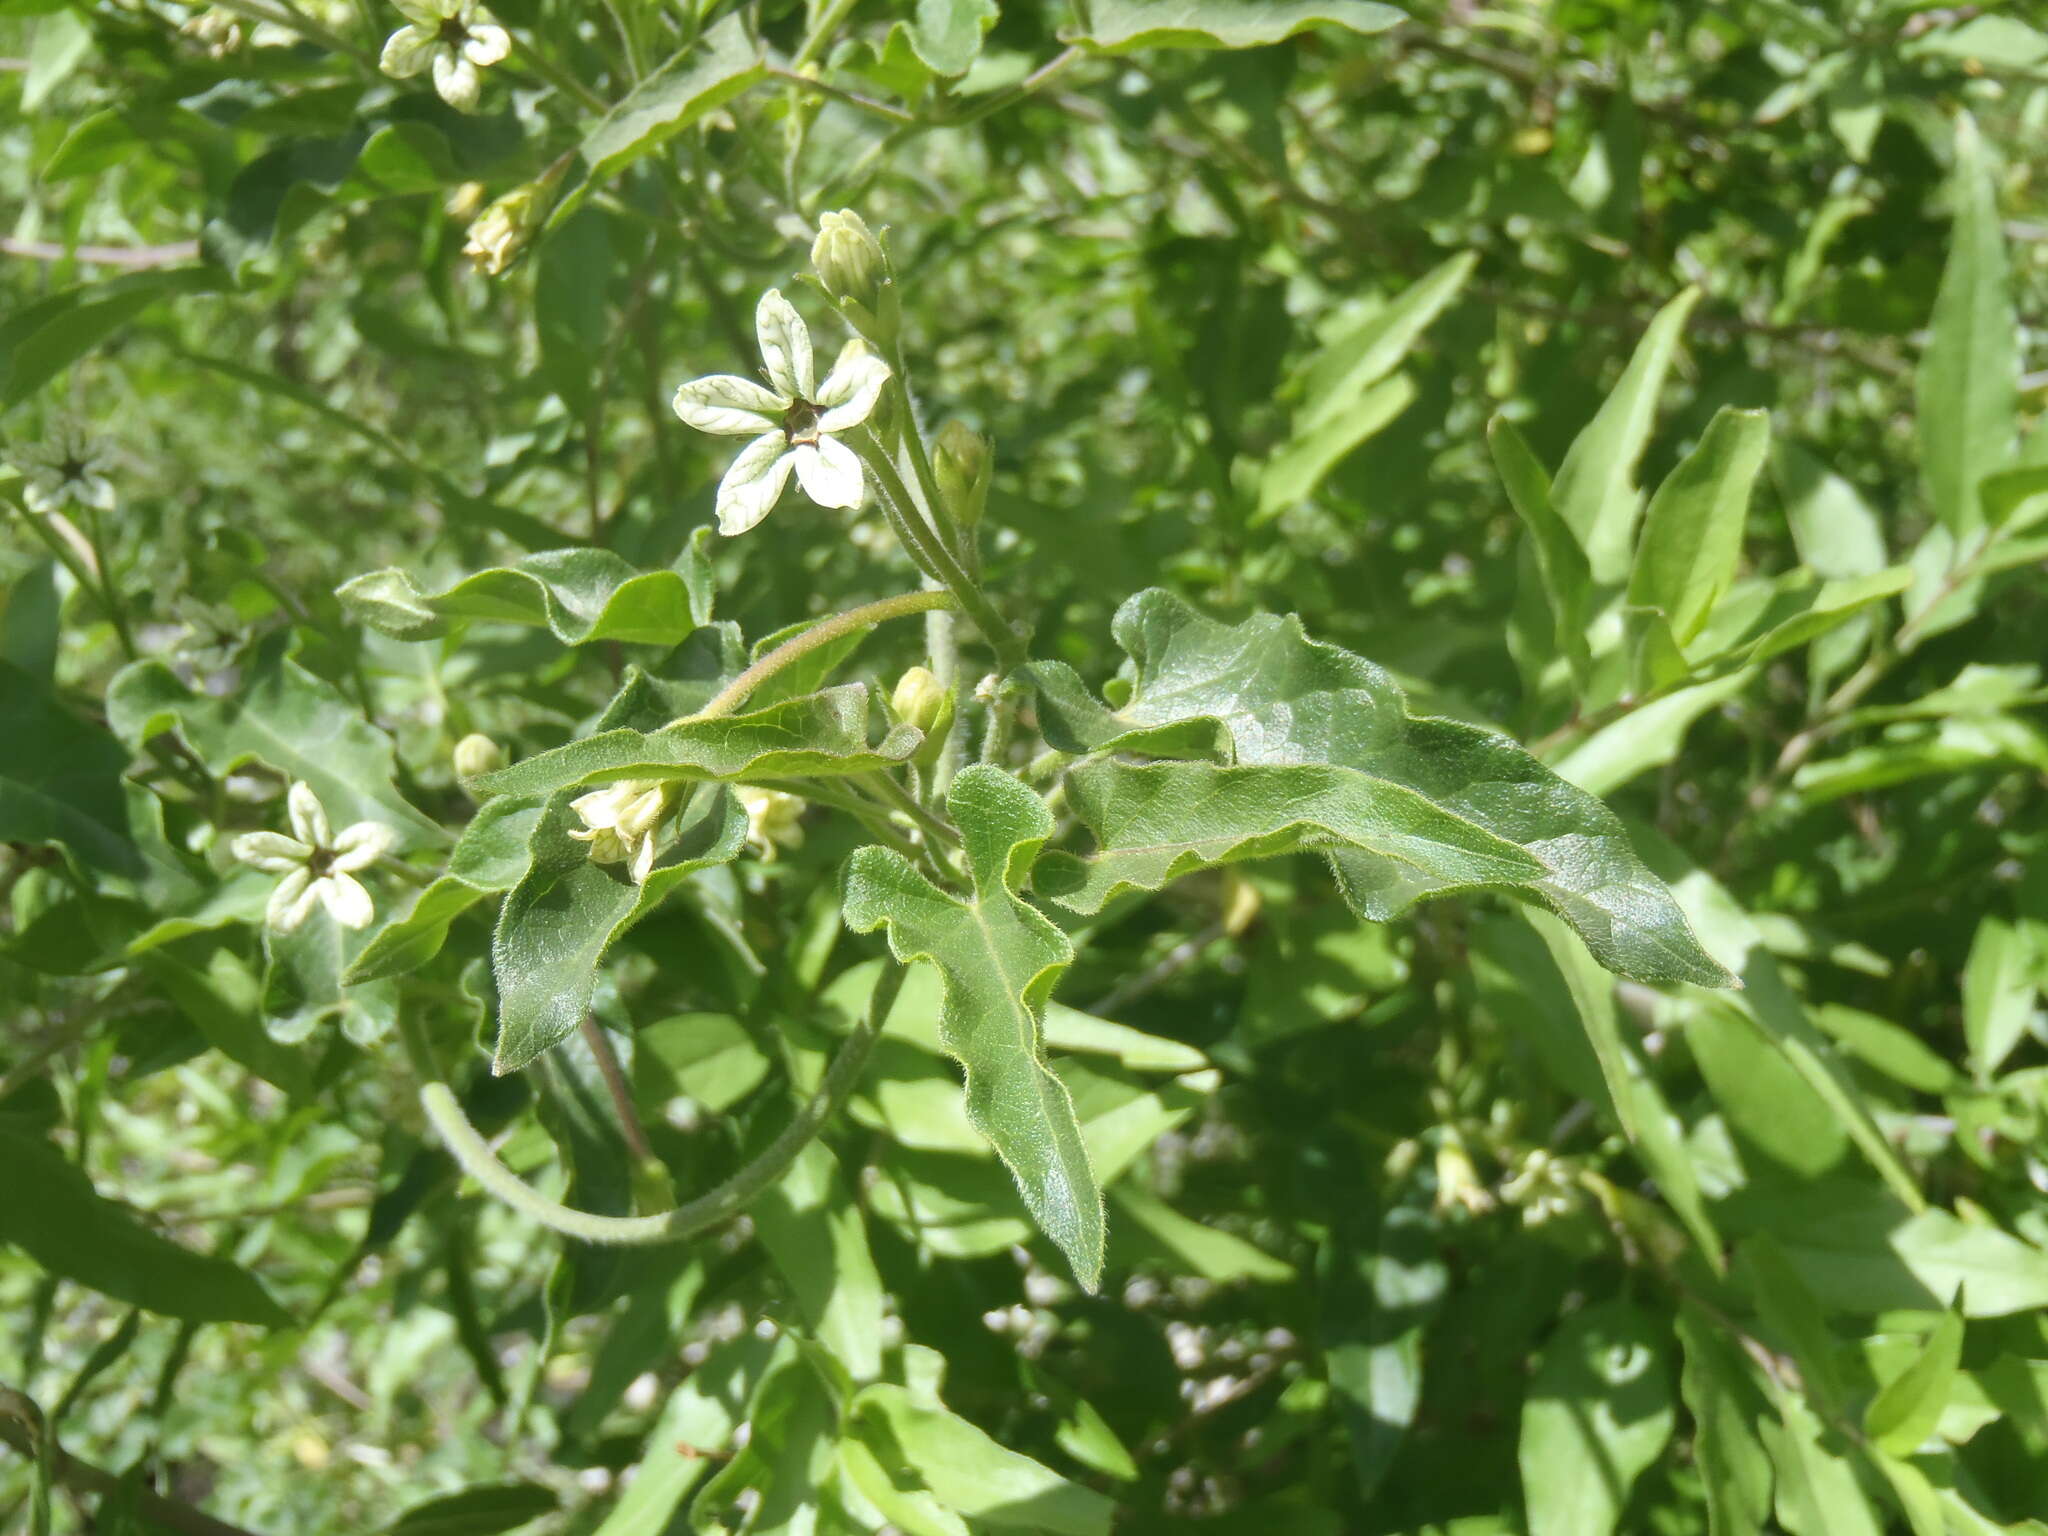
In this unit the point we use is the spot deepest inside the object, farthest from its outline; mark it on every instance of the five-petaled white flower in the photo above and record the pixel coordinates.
(774, 820)
(620, 823)
(318, 867)
(69, 467)
(793, 425)
(459, 38)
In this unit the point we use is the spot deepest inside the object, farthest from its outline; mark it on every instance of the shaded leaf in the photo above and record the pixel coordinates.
(1599, 1411)
(490, 856)
(1906, 1409)
(60, 779)
(1692, 534)
(1560, 562)
(475, 1511)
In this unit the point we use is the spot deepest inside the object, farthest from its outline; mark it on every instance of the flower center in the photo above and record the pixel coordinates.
(800, 423)
(320, 862)
(451, 32)
(72, 469)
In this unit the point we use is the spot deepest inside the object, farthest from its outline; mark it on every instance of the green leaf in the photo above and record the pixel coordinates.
(1818, 1492)
(1123, 26)
(1998, 994)
(1156, 822)
(1599, 1412)
(786, 1462)
(999, 959)
(697, 1422)
(812, 1229)
(1151, 1228)
(489, 857)
(282, 716)
(1968, 381)
(567, 911)
(919, 1445)
(1595, 490)
(1300, 464)
(579, 595)
(60, 779)
(818, 734)
(1906, 1409)
(1560, 562)
(1833, 527)
(1261, 695)
(54, 1215)
(1735, 1473)
(1644, 738)
(1762, 1094)
(39, 341)
(481, 1511)
(947, 34)
(1692, 534)
(1376, 1301)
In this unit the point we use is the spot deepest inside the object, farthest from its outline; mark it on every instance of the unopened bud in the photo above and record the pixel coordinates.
(918, 698)
(476, 753)
(849, 259)
(502, 230)
(963, 464)
(464, 201)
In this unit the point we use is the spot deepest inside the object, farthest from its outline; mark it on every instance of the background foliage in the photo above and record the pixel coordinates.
(1651, 382)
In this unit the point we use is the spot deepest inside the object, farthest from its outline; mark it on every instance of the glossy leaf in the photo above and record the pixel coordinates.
(1122, 26)
(999, 959)
(1599, 1410)
(1264, 697)
(1692, 534)
(579, 595)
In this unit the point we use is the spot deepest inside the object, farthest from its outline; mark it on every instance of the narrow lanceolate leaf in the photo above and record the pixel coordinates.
(998, 958)
(54, 1215)
(1560, 562)
(1596, 491)
(1263, 697)
(1157, 822)
(580, 595)
(567, 910)
(1692, 534)
(1121, 26)
(1968, 380)
(820, 733)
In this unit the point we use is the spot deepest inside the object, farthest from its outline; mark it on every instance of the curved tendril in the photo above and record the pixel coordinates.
(694, 1216)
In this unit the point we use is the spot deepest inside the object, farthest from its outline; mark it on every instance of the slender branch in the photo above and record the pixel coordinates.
(934, 826)
(734, 693)
(852, 99)
(1037, 80)
(130, 256)
(692, 1217)
(615, 1087)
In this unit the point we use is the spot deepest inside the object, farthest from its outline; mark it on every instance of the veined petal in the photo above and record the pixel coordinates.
(643, 859)
(785, 345)
(423, 13)
(751, 487)
(97, 491)
(486, 45)
(346, 900)
(728, 404)
(309, 817)
(850, 392)
(457, 80)
(271, 852)
(292, 901)
(406, 52)
(829, 473)
(360, 846)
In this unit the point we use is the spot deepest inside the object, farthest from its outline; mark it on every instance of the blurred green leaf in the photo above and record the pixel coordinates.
(1122, 26)
(1998, 994)
(1905, 1411)
(1600, 1408)
(476, 1511)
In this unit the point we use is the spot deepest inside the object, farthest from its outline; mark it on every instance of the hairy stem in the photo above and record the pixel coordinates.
(734, 693)
(616, 1088)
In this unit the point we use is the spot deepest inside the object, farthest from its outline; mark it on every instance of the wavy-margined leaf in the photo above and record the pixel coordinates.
(1122, 26)
(1156, 822)
(489, 857)
(282, 716)
(1264, 697)
(820, 733)
(567, 910)
(580, 595)
(999, 959)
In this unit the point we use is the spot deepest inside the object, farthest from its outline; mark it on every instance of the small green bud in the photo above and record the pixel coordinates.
(476, 753)
(849, 259)
(962, 463)
(918, 698)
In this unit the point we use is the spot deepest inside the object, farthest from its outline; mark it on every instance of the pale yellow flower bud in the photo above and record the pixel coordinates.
(476, 753)
(849, 259)
(918, 698)
(502, 230)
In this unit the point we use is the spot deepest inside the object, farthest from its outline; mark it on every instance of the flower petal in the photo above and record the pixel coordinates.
(272, 852)
(728, 404)
(486, 45)
(829, 473)
(643, 859)
(406, 52)
(424, 14)
(850, 392)
(752, 486)
(346, 900)
(785, 345)
(290, 903)
(360, 846)
(309, 817)
(457, 80)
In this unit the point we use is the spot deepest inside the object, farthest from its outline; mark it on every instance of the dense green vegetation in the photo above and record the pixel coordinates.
(833, 766)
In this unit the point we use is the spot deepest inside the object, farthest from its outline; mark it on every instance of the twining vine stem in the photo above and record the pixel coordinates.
(734, 693)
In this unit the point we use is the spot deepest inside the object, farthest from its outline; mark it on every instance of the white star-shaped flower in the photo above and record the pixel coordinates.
(319, 868)
(794, 425)
(458, 38)
(68, 467)
(620, 822)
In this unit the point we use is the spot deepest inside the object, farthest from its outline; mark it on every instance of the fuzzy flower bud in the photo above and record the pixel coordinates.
(502, 230)
(476, 753)
(962, 463)
(918, 698)
(849, 259)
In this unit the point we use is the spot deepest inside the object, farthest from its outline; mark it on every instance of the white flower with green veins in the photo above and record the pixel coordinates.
(67, 467)
(794, 425)
(459, 39)
(622, 822)
(319, 868)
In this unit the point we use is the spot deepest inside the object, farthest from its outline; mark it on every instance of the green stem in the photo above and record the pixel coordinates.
(932, 554)
(941, 515)
(695, 1216)
(89, 580)
(828, 21)
(1037, 80)
(853, 99)
(734, 693)
(901, 799)
(557, 76)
